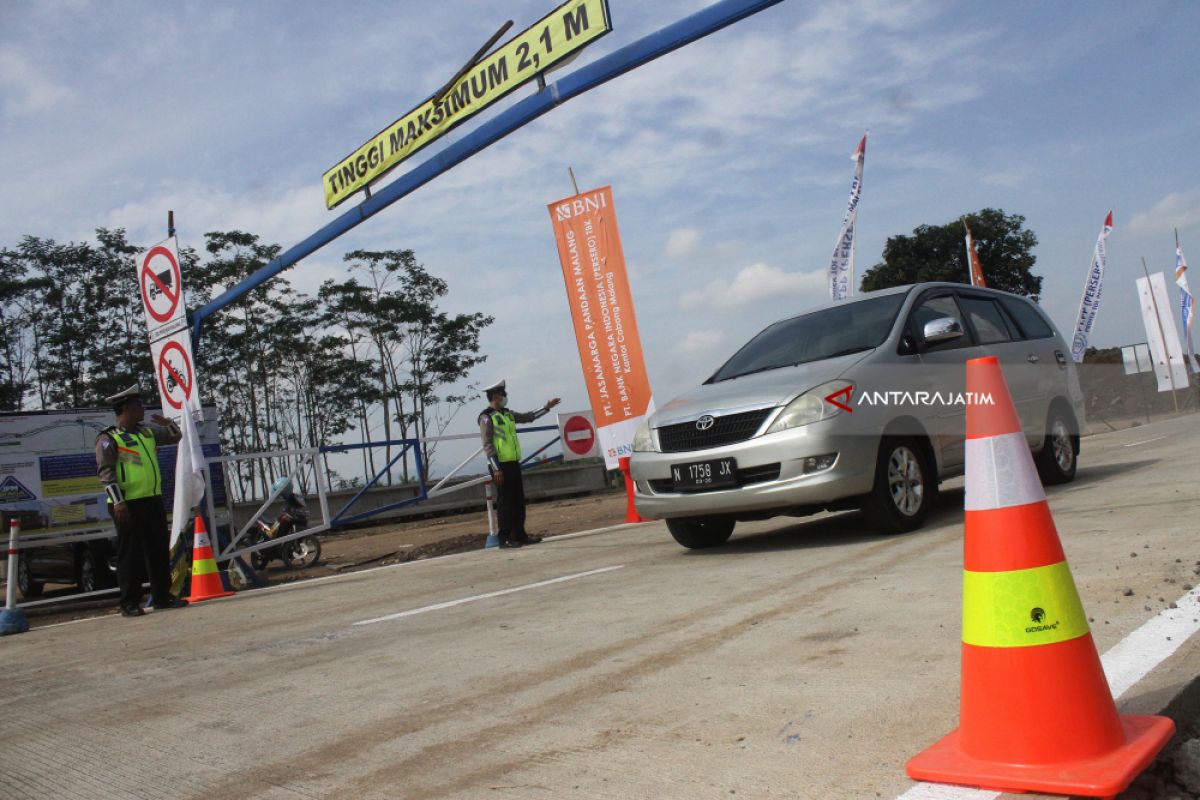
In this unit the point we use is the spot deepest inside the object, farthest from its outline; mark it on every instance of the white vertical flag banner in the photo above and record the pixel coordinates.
(1187, 305)
(161, 282)
(1089, 305)
(1165, 351)
(841, 266)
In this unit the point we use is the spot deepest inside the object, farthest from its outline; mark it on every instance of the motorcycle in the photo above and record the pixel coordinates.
(298, 553)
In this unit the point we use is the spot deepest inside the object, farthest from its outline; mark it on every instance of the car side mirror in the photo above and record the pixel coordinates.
(941, 330)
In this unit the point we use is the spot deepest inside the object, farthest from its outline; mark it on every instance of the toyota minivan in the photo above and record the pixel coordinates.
(856, 404)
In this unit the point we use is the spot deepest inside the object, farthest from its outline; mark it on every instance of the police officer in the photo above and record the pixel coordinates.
(498, 429)
(128, 467)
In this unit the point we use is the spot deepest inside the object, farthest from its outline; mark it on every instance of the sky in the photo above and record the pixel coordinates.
(729, 159)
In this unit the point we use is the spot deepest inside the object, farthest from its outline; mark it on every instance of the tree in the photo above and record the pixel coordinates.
(938, 253)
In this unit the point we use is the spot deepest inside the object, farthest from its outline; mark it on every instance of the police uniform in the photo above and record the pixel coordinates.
(498, 430)
(127, 463)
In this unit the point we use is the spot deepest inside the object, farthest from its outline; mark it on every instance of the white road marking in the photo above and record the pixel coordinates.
(1129, 660)
(461, 601)
(1144, 441)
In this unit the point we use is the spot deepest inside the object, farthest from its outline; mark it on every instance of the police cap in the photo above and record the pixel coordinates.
(121, 398)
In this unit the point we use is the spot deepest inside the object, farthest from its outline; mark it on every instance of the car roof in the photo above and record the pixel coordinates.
(908, 287)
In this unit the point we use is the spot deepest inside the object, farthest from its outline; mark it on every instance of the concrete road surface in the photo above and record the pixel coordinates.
(805, 659)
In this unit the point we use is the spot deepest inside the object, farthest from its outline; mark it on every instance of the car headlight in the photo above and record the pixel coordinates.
(812, 406)
(643, 440)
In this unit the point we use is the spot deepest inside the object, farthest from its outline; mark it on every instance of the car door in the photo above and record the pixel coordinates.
(1043, 349)
(942, 376)
(998, 336)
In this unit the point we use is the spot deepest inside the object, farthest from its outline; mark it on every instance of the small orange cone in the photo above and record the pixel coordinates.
(1036, 713)
(631, 513)
(206, 580)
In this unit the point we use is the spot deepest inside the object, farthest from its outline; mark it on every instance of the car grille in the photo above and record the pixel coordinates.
(725, 430)
(767, 472)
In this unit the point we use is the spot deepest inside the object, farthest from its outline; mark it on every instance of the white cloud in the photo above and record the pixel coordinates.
(1176, 210)
(756, 282)
(699, 343)
(29, 90)
(682, 243)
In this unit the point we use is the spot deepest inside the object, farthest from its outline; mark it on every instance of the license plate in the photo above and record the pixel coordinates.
(713, 474)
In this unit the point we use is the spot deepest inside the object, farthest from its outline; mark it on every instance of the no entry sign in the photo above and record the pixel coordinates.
(161, 285)
(173, 363)
(578, 433)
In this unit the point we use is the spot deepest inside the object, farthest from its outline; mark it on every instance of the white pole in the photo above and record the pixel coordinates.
(10, 596)
(12, 618)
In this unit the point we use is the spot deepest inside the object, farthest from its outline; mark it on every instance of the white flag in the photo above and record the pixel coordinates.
(841, 266)
(1089, 305)
(1187, 304)
(189, 473)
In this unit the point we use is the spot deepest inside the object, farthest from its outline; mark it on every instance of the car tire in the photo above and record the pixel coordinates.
(1059, 456)
(697, 533)
(27, 586)
(88, 578)
(904, 486)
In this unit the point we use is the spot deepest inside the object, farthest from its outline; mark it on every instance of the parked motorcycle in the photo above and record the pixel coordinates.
(298, 553)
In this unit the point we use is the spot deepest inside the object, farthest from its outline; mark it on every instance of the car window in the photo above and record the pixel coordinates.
(851, 327)
(985, 317)
(1030, 321)
(936, 308)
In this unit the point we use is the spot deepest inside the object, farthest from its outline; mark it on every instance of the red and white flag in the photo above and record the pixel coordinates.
(973, 266)
(841, 266)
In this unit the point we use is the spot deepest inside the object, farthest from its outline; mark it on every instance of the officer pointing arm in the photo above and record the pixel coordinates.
(497, 404)
(498, 429)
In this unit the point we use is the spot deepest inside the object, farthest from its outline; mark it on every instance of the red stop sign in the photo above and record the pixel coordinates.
(579, 435)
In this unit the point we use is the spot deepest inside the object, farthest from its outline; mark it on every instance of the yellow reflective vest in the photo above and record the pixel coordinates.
(137, 463)
(504, 436)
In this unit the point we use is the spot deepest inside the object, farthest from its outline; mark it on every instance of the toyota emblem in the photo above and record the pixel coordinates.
(705, 422)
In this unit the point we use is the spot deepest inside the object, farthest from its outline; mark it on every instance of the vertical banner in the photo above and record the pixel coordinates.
(1187, 305)
(161, 282)
(973, 266)
(1165, 350)
(610, 350)
(841, 266)
(1089, 304)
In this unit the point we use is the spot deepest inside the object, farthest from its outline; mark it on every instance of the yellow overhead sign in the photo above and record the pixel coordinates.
(559, 34)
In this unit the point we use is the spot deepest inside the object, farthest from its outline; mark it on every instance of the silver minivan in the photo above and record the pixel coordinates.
(855, 404)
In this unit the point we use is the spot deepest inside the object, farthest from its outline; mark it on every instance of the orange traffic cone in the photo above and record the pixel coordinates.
(206, 580)
(1036, 712)
(631, 513)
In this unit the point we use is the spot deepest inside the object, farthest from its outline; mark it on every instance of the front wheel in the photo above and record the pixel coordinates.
(25, 582)
(700, 532)
(259, 558)
(903, 487)
(301, 553)
(1058, 458)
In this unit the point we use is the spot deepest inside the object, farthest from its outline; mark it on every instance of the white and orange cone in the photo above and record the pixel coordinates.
(206, 579)
(1036, 713)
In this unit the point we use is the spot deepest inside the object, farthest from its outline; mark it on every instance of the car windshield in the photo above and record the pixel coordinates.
(841, 330)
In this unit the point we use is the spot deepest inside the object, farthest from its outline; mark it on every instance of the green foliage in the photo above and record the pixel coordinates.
(285, 370)
(938, 253)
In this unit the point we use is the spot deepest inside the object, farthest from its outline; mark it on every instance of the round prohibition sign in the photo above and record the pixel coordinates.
(160, 290)
(579, 435)
(175, 380)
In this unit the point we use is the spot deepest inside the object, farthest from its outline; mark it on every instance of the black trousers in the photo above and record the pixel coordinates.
(142, 552)
(510, 498)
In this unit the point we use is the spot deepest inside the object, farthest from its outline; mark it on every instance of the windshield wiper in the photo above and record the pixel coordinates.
(848, 351)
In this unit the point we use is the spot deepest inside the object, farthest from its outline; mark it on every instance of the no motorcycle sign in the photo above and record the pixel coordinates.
(173, 366)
